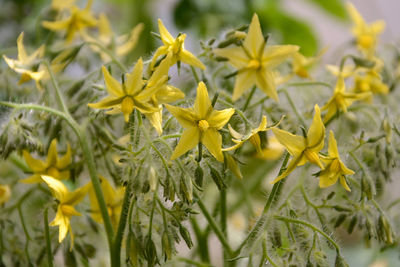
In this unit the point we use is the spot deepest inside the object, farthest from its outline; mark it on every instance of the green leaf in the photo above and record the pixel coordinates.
(333, 7)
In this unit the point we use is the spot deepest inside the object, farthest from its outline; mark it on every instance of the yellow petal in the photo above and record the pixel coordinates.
(295, 144)
(105, 32)
(5, 193)
(34, 164)
(275, 54)
(328, 178)
(162, 50)
(58, 189)
(155, 119)
(219, 118)
(22, 56)
(56, 25)
(316, 132)
(113, 87)
(184, 116)
(202, 105)
(188, 58)
(344, 183)
(332, 149)
(190, 138)
(254, 39)
(233, 166)
(106, 102)
(233, 133)
(123, 49)
(63, 162)
(377, 27)
(290, 167)
(32, 179)
(63, 224)
(266, 82)
(77, 196)
(52, 156)
(212, 140)
(355, 15)
(166, 37)
(134, 81)
(169, 93)
(244, 80)
(236, 55)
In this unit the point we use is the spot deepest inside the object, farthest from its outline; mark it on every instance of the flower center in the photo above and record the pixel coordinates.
(366, 41)
(254, 64)
(53, 172)
(302, 72)
(127, 105)
(178, 44)
(312, 156)
(203, 125)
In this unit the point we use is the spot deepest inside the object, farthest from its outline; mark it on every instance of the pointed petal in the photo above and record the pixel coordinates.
(123, 49)
(78, 195)
(275, 54)
(378, 27)
(188, 58)
(113, 87)
(35, 165)
(106, 102)
(244, 80)
(266, 82)
(233, 133)
(168, 94)
(202, 105)
(332, 148)
(58, 189)
(166, 37)
(155, 119)
(134, 81)
(32, 179)
(219, 118)
(355, 15)
(316, 132)
(237, 57)
(345, 170)
(238, 144)
(295, 144)
(22, 56)
(254, 39)
(328, 178)
(212, 140)
(190, 138)
(57, 25)
(183, 115)
(63, 162)
(290, 167)
(343, 182)
(162, 50)
(52, 156)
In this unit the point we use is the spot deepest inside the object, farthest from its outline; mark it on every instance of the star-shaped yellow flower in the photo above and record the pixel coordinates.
(5, 193)
(255, 61)
(201, 124)
(176, 47)
(78, 21)
(335, 168)
(341, 100)
(65, 210)
(53, 166)
(370, 82)
(24, 64)
(253, 136)
(121, 45)
(302, 148)
(366, 34)
(112, 197)
(127, 96)
(301, 64)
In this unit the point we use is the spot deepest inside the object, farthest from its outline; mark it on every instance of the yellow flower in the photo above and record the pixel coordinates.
(366, 34)
(253, 136)
(24, 64)
(201, 124)
(255, 61)
(127, 96)
(370, 82)
(176, 47)
(302, 148)
(113, 198)
(346, 72)
(273, 151)
(341, 100)
(302, 64)
(78, 21)
(335, 168)
(53, 166)
(65, 210)
(5, 193)
(121, 45)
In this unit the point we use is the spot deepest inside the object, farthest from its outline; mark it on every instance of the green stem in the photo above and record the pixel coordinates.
(122, 223)
(196, 77)
(27, 236)
(223, 219)
(253, 90)
(60, 99)
(291, 103)
(47, 235)
(313, 227)
(260, 224)
(220, 235)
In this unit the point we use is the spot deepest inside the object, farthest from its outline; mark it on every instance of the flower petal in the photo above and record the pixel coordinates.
(166, 37)
(275, 54)
(212, 139)
(134, 81)
(254, 39)
(52, 156)
(59, 190)
(113, 87)
(266, 82)
(188, 58)
(244, 80)
(236, 55)
(190, 138)
(332, 148)
(219, 118)
(202, 105)
(184, 116)
(295, 144)
(35, 165)
(316, 132)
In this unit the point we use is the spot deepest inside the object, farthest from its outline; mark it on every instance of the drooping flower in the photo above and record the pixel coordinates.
(303, 149)
(53, 166)
(335, 168)
(77, 22)
(341, 99)
(127, 96)
(121, 45)
(112, 197)
(5, 193)
(272, 151)
(176, 47)
(253, 136)
(65, 210)
(201, 124)
(25, 64)
(366, 34)
(255, 61)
